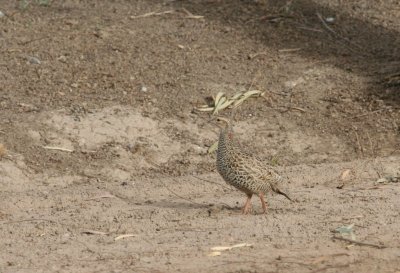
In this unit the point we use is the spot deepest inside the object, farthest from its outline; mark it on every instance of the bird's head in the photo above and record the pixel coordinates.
(223, 122)
(225, 125)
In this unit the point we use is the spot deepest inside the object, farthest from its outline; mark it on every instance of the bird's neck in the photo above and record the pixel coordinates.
(227, 133)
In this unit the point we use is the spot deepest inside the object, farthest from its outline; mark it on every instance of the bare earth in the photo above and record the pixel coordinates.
(106, 166)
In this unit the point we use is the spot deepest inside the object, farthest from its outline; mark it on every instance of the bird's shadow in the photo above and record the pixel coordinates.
(189, 205)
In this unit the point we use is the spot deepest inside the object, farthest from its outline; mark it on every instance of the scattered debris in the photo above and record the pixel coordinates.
(25, 107)
(358, 242)
(152, 14)
(294, 83)
(94, 232)
(392, 80)
(106, 195)
(124, 236)
(348, 231)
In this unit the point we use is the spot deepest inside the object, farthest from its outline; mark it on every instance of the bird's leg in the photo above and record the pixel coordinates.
(264, 205)
(247, 205)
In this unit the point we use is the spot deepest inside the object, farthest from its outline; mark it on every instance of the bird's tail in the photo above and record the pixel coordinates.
(284, 194)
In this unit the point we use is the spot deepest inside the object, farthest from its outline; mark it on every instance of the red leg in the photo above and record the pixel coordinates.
(247, 205)
(264, 205)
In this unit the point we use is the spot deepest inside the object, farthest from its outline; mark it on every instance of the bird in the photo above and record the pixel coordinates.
(244, 171)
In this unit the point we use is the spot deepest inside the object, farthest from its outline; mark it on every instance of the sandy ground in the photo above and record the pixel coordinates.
(104, 164)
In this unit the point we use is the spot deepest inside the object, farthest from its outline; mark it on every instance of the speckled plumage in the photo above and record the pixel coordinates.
(243, 171)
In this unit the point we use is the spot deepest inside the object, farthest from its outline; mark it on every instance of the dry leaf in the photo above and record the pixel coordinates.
(345, 174)
(124, 236)
(223, 248)
(221, 101)
(213, 148)
(214, 253)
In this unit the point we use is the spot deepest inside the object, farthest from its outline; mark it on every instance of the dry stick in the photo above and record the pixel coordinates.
(153, 13)
(290, 49)
(191, 15)
(292, 108)
(358, 242)
(58, 149)
(29, 220)
(369, 113)
(34, 40)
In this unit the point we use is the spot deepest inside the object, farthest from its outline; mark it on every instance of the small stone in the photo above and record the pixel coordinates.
(329, 19)
(62, 59)
(2, 14)
(34, 60)
(143, 89)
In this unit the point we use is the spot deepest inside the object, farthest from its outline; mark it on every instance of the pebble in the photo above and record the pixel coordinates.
(143, 89)
(34, 60)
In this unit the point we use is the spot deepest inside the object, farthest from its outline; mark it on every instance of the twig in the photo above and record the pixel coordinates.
(290, 49)
(191, 15)
(293, 108)
(34, 40)
(153, 13)
(28, 220)
(58, 149)
(369, 113)
(252, 56)
(358, 242)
